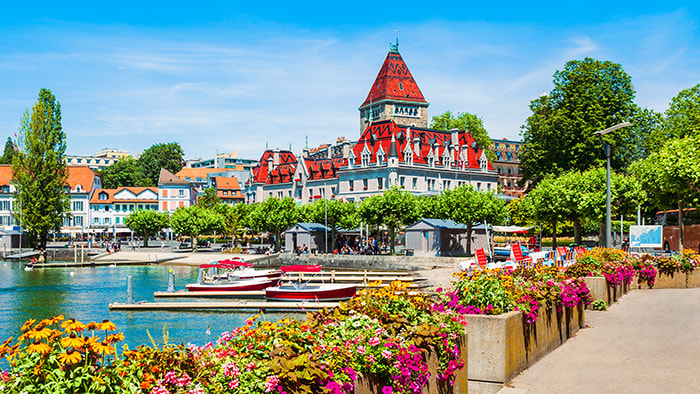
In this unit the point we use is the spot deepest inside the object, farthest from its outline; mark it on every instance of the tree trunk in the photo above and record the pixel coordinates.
(391, 239)
(277, 241)
(145, 240)
(554, 234)
(469, 239)
(680, 226)
(195, 240)
(577, 231)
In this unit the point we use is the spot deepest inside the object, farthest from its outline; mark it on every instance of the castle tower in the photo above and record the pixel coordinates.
(394, 95)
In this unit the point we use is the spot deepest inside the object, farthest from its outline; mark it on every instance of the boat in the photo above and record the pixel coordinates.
(300, 290)
(233, 275)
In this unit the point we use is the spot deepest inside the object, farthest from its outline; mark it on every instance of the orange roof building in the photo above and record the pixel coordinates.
(227, 189)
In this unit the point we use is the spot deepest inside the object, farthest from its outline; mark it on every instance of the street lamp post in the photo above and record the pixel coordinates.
(607, 148)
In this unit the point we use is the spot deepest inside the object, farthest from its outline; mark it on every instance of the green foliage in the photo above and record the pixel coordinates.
(274, 215)
(465, 121)
(394, 208)
(599, 305)
(39, 169)
(195, 221)
(235, 218)
(467, 206)
(588, 95)
(9, 152)
(337, 214)
(208, 199)
(146, 223)
(432, 207)
(168, 156)
(124, 173)
(683, 115)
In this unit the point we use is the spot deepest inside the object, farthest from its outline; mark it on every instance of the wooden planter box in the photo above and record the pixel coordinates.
(679, 280)
(371, 384)
(503, 345)
(601, 290)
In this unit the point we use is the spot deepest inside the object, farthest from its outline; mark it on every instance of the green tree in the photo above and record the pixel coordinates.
(467, 206)
(393, 209)
(9, 152)
(209, 199)
(274, 215)
(671, 176)
(465, 121)
(588, 95)
(336, 214)
(195, 221)
(168, 156)
(145, 223)
(430, 207)
(235, 218)
(39, 169)
(544, 204)
(682, 118)
(124, 173)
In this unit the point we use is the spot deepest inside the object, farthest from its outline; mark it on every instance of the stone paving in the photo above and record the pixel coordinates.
(646, 343)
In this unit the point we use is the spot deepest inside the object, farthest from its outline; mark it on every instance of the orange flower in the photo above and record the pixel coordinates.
(72, 325)
(112, 338)
(107, 325)
(38, 347)
(92, 326)
(28, 324)
(69, 357)
(102, 348)
(40, 333)
(130, 353)
(73, 341)
(56, 319)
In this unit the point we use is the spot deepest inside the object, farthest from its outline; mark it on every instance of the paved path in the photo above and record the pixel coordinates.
(649, 342)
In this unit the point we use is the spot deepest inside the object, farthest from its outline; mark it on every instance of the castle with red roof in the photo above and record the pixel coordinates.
(395, 148)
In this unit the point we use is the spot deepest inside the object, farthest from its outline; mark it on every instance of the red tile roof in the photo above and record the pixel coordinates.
(379, 135)
(81, 175)
(394, 82)
(282, 173)
(324, 168)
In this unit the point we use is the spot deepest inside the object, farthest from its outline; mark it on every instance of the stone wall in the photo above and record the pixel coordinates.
(360, 262)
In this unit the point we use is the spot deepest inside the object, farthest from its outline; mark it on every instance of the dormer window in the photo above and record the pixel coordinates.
(104, 196)
(408, 155)
(365, 156)
(380, 156)
(483, 163)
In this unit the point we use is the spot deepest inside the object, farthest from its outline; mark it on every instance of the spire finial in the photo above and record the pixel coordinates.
(307, 142)
(290, 146)
(397, 38)
(266, 145)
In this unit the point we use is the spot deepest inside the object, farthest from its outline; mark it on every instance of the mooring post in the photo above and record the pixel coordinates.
(333, 276)
(129, 289)
(75, 255)
(171, 281)
(82, 255)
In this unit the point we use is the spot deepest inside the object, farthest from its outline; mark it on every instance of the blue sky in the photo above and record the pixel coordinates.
(222, 76)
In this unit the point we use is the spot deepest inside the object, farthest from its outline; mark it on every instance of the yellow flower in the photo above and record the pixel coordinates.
(72, 325)
(73, 341)
(38, 347)
(56, 319)
(28, 324)
(112, 338)
(107, 325)
(102, 347)
(92, 326)
(40, 333)
(69, 357)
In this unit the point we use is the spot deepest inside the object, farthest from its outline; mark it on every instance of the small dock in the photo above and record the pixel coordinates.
(23, 255)
(234, 305)
(93, 263)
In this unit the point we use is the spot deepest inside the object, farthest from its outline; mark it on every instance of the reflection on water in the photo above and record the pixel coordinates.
(85, 293)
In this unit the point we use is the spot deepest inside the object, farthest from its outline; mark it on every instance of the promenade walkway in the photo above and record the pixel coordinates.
(649, 342)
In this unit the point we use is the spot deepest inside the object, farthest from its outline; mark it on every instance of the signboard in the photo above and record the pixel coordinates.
(646, 236)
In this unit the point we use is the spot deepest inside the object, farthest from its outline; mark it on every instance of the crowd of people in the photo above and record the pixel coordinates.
(357, 245)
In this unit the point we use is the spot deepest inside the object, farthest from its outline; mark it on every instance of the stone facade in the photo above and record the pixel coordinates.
(507, 164)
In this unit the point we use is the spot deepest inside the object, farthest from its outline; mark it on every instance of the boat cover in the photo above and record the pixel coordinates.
(301, 268)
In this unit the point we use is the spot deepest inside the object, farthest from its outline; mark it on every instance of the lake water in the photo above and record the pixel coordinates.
(85, 294)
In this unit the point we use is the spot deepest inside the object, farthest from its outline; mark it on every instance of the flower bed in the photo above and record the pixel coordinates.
(387, 334)
(607, 272)
(514, 319)
(681, 270)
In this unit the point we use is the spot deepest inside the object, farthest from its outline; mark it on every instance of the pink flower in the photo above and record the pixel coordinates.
(374, 341)
(271, 383)
(386, 354)
(387, 390)
(233, 384)
(361, 350)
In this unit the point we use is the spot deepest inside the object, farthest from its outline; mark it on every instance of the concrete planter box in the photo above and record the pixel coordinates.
(503, 345)
(679, 280)
(601, 290)
(371, 384)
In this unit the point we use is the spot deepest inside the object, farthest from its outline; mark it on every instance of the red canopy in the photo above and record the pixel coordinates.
(228, 264)
(301, 268)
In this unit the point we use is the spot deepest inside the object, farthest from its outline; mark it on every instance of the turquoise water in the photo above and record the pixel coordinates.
(86, 293)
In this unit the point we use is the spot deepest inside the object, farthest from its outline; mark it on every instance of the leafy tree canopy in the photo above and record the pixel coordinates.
(465, 121)
(394, 208)
(194, 221)
(146, 223)
(168, 156)
(39, 169)
(124, 173)
(208, 199)
(9, 152)
(588, 95)
(683, 115)
(274, 215)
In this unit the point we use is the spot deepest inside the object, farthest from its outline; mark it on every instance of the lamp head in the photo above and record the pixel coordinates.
(613, 128)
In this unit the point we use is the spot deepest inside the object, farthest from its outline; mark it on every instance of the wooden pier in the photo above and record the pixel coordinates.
(235, 305)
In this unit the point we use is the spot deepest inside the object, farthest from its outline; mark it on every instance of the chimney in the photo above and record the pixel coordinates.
(276, 157)
(465, 153)
(416, 146)
(270, 162)
(346, 149)
(455, 137)
(330, 151)
(305, 153)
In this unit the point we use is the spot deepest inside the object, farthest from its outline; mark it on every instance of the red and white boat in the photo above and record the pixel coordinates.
(300, 290)
(233, 275)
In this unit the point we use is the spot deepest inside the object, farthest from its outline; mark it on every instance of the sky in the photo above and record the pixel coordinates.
(222, 76)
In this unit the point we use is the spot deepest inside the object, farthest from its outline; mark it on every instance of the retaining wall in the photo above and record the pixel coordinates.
(359, 262)
(679, 280)
(601, 290)
(501, 346)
